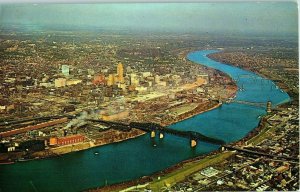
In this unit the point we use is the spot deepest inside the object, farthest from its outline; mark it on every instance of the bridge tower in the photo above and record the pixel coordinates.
(193, 143)
(152, 134)
(269, 107)
(161, 135)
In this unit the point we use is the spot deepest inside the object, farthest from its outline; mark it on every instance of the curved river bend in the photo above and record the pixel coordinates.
(138, 157)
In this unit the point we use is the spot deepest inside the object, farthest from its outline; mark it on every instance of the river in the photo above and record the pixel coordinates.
(138, 157)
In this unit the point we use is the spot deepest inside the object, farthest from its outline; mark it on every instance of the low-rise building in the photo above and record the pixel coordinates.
(70, 139)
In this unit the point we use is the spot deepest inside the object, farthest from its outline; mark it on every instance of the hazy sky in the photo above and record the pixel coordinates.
(267, 17)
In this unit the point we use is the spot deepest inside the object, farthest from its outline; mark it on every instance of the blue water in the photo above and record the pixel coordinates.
(233, 121)
(138, 157)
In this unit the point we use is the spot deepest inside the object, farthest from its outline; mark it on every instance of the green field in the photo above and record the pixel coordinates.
(188, 169)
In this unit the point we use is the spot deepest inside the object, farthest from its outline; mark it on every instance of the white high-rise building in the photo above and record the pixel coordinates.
(134, 80)
(65, 69)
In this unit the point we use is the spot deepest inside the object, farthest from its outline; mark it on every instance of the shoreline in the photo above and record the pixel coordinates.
(194, 113)
(62, 150)
(143, 133)
(91, 145)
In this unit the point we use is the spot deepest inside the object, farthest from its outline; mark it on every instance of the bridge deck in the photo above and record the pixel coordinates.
(258, 104)
(148, 127)
(187, 134)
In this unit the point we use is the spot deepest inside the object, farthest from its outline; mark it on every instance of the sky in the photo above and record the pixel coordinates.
(251, 17)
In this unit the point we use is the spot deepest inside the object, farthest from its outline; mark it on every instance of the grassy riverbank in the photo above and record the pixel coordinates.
(187, 169)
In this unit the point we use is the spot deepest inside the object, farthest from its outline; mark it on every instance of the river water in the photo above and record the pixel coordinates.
(138, 157)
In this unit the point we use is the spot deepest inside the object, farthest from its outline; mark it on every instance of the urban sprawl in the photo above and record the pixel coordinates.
(57, 87)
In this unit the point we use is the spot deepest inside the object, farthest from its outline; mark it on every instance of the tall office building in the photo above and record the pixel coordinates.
(111, 80)
(120, 72)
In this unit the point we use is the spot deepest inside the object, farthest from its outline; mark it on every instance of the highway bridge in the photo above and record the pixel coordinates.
(153, 128)
(257, 104)
(255, 78)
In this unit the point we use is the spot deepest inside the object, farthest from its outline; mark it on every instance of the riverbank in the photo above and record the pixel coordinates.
(136, 133)
(97, 142)
(198, 110)
(56, 151)
(168, 176)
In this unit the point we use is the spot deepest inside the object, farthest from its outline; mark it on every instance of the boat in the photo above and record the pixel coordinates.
(23, 159)
(96, 153)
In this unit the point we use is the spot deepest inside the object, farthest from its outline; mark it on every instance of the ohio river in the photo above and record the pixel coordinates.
(138, 157)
